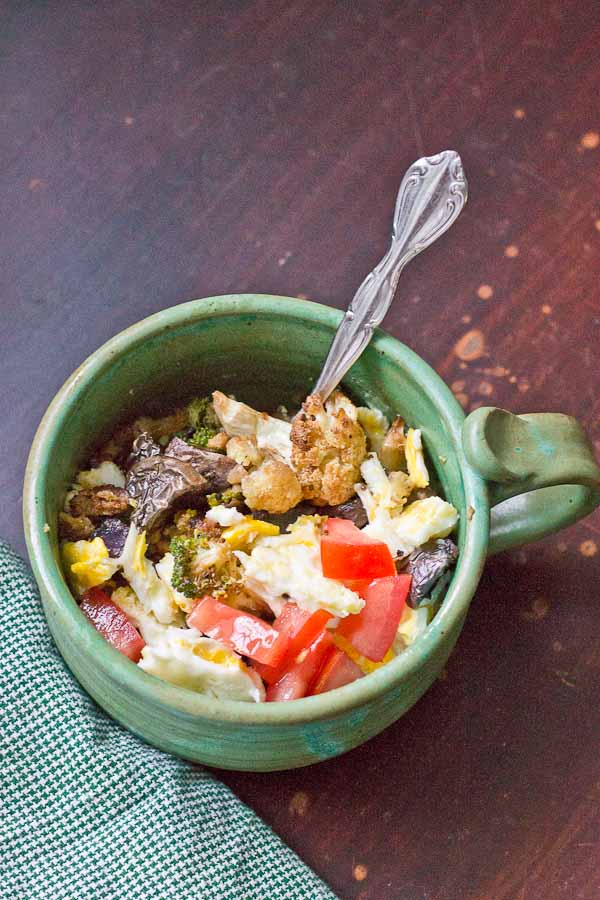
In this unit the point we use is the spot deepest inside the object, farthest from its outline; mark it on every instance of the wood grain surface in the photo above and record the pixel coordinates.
(151, 152)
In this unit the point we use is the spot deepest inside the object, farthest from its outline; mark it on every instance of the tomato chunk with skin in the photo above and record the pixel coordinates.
(337, 670)
(301, 627)
(246, 634)
(347, 554)
(297, 678)
(372, 630)
(111, 622)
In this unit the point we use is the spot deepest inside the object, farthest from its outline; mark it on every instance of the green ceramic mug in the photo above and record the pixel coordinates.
(513, 479)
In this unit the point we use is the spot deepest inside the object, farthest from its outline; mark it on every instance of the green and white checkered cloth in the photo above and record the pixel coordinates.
(89, 811)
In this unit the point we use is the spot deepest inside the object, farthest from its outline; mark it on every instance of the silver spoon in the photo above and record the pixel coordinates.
(432, 194)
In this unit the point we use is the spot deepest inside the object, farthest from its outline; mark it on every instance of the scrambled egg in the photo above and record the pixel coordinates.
(382, 492)
(375, 425)
(105, 473)
(289, 566)
(155, 594)
(273, 435)
(415, 461)
(412, 624)
(183, 657)
(145, 622)
(224, 515)
(402, 529)
(420, 522)
(247, 531)
(88, 563)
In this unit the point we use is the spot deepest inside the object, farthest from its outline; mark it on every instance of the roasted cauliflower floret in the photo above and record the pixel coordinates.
(328, 447)
(272, 435)
(273, 487)
(218, 442)
(244, 451)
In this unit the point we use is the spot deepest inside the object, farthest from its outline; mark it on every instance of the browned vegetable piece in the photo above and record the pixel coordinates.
(352, 509)
(392, 452)
(118, 447)
(143, 447)
(104, 500)
(426, 565)
(215, 467)
(157, 483)
(163, 427)
(74, 528)
(114, 533)
(185, 521)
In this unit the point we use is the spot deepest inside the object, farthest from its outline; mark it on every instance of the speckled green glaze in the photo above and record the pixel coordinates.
(267, 349)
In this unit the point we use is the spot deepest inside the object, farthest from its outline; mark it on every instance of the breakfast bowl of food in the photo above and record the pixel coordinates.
(252, 577)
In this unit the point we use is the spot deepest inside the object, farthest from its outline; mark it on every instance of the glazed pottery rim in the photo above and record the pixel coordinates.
(137, 683)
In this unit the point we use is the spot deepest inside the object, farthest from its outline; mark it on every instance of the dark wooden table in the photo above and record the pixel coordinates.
(155, 152)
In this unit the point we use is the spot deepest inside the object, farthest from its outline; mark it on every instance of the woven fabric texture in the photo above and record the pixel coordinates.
(89, 811)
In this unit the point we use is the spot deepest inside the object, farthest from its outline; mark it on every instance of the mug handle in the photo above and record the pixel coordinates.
(540, 469)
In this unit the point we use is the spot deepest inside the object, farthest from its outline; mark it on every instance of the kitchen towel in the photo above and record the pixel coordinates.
(89, 811)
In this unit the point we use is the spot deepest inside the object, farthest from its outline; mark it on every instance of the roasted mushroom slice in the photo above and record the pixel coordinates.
(157, 483)
(214, 467)
(351, 509)
(143, 447)
(427, 565)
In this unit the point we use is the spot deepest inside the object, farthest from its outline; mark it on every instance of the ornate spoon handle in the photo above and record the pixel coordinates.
(432, 194)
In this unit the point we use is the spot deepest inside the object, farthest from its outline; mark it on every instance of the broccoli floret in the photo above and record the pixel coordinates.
(203, 420)
(201, 566)
(183, 550)
(230, 497)
(201, 414)
(201, 436)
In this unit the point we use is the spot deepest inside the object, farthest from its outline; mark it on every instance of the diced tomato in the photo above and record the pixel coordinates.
(358, 585)
(301, 627)
(308, 631)
(372, 630)
(112, 623)
(291, 619)
(298, 676)
(243, 632)
(337, 670)
(348, 554)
